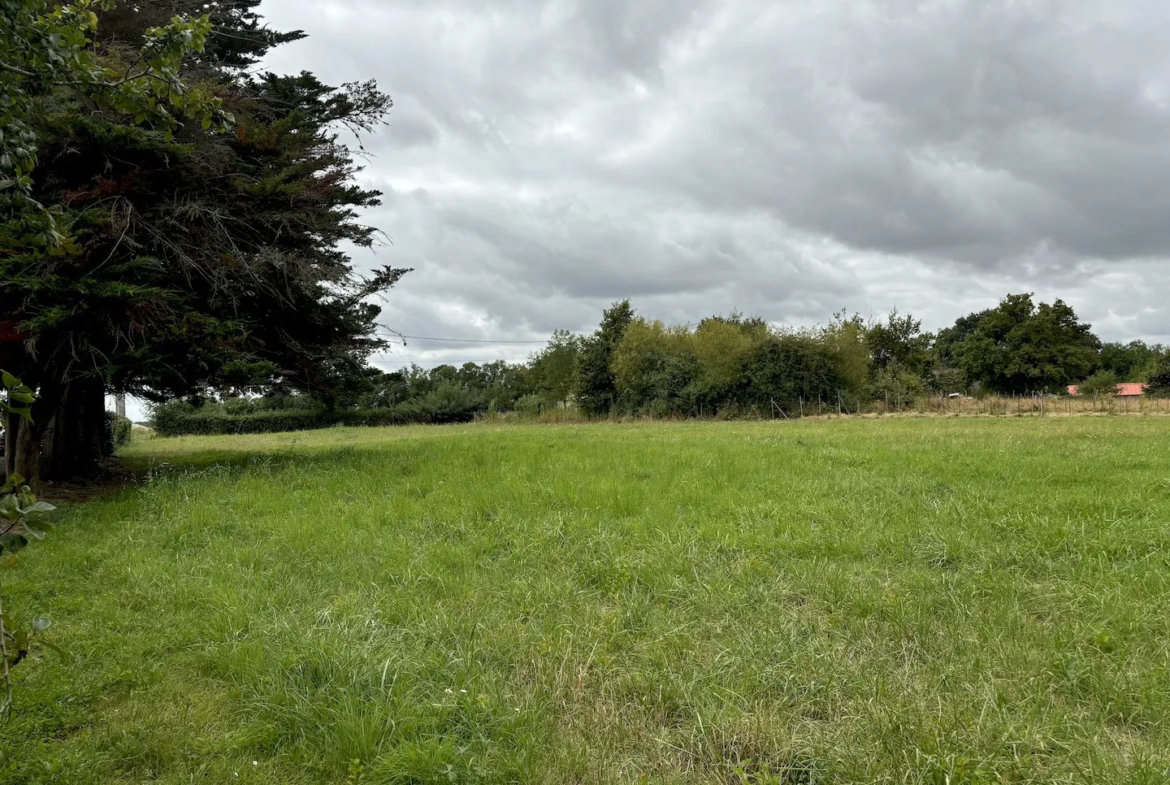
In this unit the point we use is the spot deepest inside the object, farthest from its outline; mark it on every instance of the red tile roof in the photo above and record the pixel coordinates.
(1128, 389)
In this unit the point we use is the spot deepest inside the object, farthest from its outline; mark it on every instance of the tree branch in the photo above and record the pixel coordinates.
(16, 70)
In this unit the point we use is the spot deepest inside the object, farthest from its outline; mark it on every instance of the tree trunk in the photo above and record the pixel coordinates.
(75, 436)
(22, 453)
(67, 438)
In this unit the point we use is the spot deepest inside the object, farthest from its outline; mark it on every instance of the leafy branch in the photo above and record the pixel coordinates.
(19, 524)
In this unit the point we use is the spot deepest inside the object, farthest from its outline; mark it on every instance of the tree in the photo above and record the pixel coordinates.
(48, 52)
(723, 346)
(654, 368)
(793, 369)
(596, 390)
(845, 340)
(1131, 362)
(194, 260)
(1020, 347)
(554, 369)
(1159, 383)
(48, 47)
(239, 37)
(945, 373)
(950, 338)
(898, 341)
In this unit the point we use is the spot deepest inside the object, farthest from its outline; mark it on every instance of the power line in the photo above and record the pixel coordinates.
(466, 340)
(473, 340)
(397, 334)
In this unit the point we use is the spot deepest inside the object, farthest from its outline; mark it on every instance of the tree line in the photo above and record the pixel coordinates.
(730, 366)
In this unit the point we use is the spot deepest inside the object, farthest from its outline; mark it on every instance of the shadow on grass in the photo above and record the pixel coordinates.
(130, 473)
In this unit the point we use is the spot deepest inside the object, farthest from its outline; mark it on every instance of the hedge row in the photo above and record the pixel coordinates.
(219, 423)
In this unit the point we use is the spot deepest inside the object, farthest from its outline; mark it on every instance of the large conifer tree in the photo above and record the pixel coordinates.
(194, 259)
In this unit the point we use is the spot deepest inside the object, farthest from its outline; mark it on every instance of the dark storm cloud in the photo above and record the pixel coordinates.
(786, 158)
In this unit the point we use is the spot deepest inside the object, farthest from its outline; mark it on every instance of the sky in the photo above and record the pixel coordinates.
(783, 158)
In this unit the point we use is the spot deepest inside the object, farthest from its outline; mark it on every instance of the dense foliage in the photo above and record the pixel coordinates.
(1159, 380)
(727, 366)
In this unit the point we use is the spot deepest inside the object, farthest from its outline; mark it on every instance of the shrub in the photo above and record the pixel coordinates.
(449, 403)
(168, 419)
(896, 384)
(529, 405)
(121, 429)
(789, 369)
(215, 422)
(1100, 383)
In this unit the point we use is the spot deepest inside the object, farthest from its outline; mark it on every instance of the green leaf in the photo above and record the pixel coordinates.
(10, 381)
(15, 543)
(55, 648)
(41, 623)
(36, 534)
(40, 524)
(41, 507)
(21, 412)
(20, 397)
(15, 480)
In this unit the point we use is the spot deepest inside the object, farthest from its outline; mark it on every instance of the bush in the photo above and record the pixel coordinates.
(529, 405)
(170, 420)
(895, 384)
(116, 434)
(787, 370)
(122, 429)
(1100, 383)
(448, 403)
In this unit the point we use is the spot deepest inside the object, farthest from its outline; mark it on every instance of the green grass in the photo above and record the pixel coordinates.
(904, 601)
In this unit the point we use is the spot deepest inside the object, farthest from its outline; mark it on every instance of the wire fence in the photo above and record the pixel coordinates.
(846, 405)
(983, 406)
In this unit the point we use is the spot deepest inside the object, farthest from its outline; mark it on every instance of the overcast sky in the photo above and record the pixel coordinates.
(786, 159)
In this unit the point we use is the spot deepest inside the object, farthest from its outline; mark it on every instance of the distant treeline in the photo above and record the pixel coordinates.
(727, 366)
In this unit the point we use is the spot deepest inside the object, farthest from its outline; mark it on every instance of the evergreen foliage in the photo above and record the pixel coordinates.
(190, 260)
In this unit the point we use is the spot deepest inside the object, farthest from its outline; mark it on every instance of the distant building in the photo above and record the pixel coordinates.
(1126, 390)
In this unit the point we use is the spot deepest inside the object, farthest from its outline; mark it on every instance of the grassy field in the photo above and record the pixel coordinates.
(900, 600)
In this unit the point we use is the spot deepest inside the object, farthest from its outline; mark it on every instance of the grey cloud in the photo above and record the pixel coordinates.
(789, 159)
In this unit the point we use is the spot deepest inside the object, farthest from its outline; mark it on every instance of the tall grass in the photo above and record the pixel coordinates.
(895, 600)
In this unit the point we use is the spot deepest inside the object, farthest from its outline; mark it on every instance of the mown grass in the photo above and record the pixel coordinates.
(909, 601)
